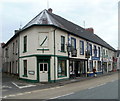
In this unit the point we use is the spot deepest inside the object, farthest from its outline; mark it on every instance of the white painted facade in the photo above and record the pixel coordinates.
(10, 57)
(44, 53)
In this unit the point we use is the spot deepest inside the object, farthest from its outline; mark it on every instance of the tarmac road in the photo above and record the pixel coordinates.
(107, 90)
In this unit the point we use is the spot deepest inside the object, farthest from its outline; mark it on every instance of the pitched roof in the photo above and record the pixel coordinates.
(48, 18)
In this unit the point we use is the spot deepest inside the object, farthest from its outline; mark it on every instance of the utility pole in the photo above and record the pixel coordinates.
(47, 4)
(84, 23)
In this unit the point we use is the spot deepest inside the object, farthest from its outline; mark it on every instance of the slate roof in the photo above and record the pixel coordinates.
(47, 18)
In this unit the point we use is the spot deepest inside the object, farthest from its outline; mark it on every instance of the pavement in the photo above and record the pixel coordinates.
(8, 77)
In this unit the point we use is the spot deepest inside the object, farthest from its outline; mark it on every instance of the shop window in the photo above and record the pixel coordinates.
(25, 44)
(81, 47)
(62, 71)
(25, 67)
(62, 43)
(99, 66)
(91, 66)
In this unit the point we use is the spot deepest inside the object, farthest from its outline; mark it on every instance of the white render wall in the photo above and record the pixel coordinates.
(33, 41)
(31, 65)
(13, 58)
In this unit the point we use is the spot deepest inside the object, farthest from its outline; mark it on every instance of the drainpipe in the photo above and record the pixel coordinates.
(68, 57)
(54, 55)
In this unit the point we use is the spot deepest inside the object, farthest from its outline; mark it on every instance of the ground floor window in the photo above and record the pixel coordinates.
(105, 66)
(77, 68)
(99, 66)
(25, 67)
(62, 68)
(90, 66)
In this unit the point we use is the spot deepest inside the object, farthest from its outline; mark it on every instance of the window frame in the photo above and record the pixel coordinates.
(90, 45)
(99, 51)
(63, 44)
(81, 47)
(60, 60)
(95, 51)
(74, 47)
(25, 43)
(25, 67)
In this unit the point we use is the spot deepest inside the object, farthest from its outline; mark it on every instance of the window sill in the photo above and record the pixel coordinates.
(63, 51)
(61, 76)
(25, 76)
(24, 51)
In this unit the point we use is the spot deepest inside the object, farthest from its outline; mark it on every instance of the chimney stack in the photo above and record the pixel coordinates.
(2, 44)
(16, 31)
(90, 30)
(50, 10)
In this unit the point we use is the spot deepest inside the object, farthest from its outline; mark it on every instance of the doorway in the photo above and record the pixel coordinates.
(43, 72)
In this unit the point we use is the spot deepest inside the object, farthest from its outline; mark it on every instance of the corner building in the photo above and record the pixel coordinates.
(52, 48)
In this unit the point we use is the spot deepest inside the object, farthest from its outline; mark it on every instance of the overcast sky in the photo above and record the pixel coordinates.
(102, 15)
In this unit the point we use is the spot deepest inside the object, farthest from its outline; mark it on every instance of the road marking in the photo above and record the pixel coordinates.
(20, 87)
(62, 95)
(97, 86)
(31, 92)
(11, 95)
(113, 80)
(100, 85)
(19, 94)
(92, 87)
(6, 87)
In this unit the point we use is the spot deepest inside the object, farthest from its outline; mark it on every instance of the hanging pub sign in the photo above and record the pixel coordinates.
(74, 53)
(69, 48)
(87, 54)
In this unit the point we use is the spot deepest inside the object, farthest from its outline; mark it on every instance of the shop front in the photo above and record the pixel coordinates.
(78, 67)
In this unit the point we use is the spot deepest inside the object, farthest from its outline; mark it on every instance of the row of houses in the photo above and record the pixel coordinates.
(50, 48)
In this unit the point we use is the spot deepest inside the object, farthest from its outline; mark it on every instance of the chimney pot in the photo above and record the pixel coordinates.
(90, 30)
(50, 10)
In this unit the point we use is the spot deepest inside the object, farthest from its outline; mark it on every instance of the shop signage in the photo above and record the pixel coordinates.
(95, 58)
(31, 72)
(87, 54)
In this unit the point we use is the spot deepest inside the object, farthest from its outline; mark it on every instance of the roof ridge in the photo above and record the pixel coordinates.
(34, 18)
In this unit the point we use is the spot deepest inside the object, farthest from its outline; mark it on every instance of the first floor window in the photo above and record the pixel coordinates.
(62, 43)
(25, 44)
(73, 43)
(81, 47)
(62, 71)
(25, 66)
